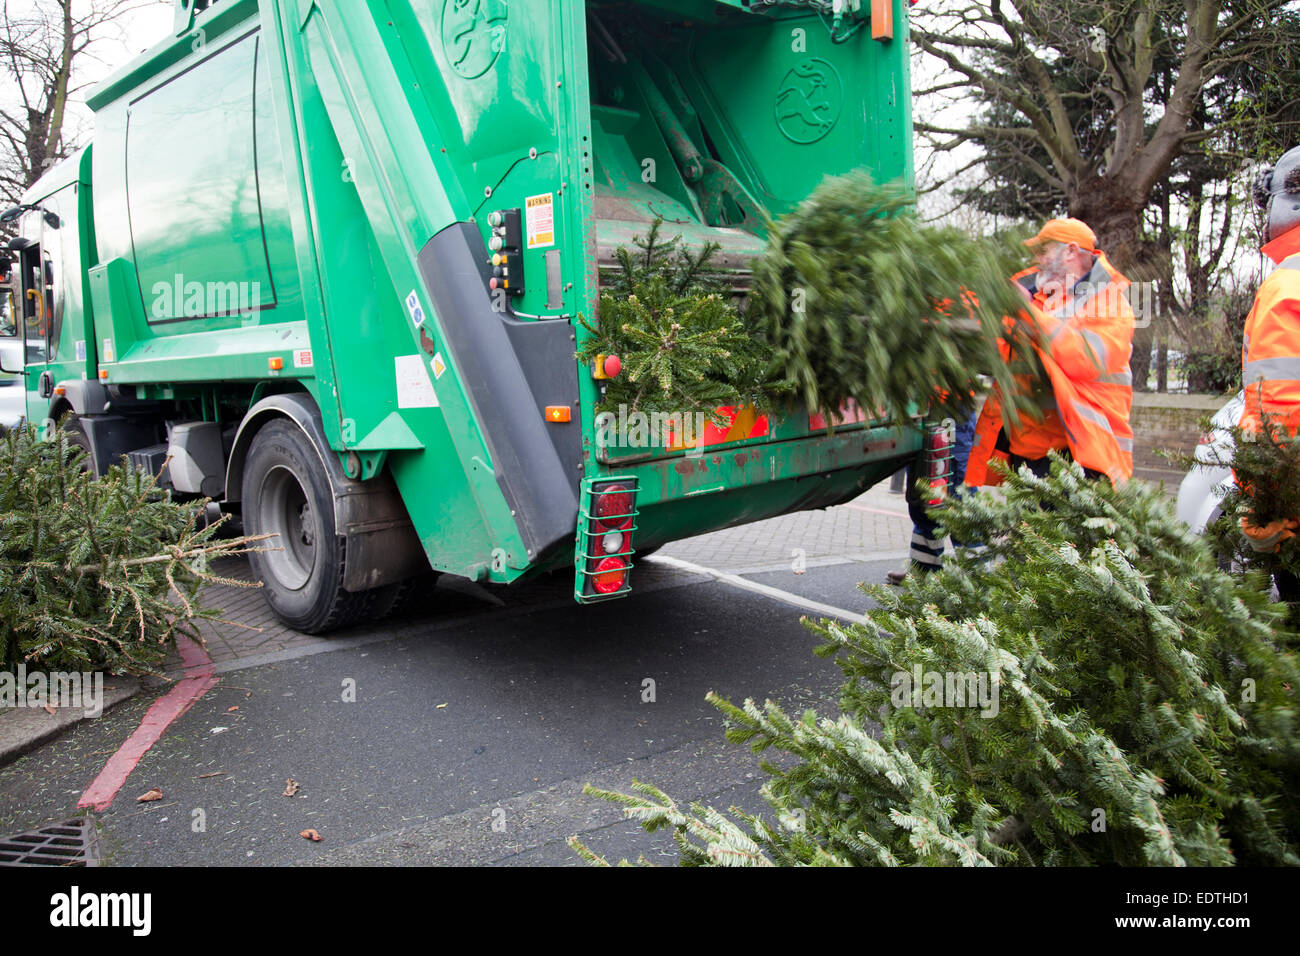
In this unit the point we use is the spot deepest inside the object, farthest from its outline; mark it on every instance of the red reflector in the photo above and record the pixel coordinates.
(614, 501)
(610, 576)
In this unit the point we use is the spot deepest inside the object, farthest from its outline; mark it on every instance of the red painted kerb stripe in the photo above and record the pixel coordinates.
(199, 677)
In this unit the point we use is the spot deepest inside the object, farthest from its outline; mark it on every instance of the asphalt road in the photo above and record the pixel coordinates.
(462, 735)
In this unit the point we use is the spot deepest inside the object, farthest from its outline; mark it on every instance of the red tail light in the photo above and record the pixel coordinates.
(613, 508)
(610, 576)
(606, 528)
(937, 465)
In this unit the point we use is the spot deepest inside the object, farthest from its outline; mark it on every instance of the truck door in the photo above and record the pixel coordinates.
(42, 304)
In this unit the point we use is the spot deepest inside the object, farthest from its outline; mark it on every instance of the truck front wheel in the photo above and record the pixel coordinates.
(287, 494)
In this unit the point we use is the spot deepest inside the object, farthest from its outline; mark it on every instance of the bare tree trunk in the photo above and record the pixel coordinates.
(41, 42)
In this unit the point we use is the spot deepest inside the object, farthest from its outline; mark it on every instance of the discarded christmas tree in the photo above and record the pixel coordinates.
(1259, 530)
(852, 301)
(684, 346)
(1090, 689)
(95, 573)
(858, 301)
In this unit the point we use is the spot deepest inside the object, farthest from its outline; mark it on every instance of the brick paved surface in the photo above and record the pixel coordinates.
(873, 526)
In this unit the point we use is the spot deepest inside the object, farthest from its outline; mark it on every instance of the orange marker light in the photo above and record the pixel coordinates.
(558, 413)
(275, 364)
(103, 373)
(611, 575)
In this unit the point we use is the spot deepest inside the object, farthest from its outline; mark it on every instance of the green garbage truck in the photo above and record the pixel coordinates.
(324, 262)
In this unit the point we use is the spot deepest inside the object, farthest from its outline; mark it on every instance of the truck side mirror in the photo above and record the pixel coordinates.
(11, 214)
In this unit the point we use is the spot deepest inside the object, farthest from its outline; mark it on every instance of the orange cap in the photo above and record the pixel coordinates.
(1066, 230)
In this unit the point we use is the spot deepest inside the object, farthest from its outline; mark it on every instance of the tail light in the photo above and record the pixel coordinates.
(603, 550)
(937, 461)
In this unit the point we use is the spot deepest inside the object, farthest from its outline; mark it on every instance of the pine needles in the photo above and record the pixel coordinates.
(684, 345)
(852, 301)
(95, 573)
(859, 302)
(1142, 705)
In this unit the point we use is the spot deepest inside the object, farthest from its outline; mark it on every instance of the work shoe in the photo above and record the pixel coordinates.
(896, 578)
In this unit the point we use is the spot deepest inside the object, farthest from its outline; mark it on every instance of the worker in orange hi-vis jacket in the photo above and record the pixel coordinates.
(1079, 316)
(1270, 352)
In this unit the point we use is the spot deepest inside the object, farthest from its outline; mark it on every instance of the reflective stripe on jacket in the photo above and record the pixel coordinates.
(1085, 343)
(1270, 353)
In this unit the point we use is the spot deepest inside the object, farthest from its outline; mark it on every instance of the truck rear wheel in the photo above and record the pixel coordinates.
(286, 493)
(78, 441)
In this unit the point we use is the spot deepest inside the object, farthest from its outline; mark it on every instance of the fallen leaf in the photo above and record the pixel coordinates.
(219, 773)
(440, 706)
(311, 835)
(219, 730)
(231, 710)
(50, 710)
(290, 787)
(150, 797)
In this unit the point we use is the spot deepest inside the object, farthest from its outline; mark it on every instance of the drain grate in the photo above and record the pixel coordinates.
(60, 844)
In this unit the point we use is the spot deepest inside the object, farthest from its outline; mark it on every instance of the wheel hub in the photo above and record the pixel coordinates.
(308, 533)
(285, 511)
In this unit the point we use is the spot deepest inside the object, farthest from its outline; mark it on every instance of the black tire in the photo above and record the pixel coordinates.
(287, 493)
(396, 600)
(78, 440)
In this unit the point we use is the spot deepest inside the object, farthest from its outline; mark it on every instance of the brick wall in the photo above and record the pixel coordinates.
(1167, 422)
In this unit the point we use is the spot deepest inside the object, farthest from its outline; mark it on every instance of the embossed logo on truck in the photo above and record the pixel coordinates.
(473, 35)
(809, 101)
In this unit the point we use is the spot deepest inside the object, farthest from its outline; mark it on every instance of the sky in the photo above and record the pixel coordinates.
(138, 29)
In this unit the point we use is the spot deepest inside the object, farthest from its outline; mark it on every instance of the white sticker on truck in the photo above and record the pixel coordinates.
(414, 390)
(539, 215)
(413, 307)
(302, 358)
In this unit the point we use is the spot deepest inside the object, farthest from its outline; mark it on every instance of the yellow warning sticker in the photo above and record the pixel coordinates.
(539, 216)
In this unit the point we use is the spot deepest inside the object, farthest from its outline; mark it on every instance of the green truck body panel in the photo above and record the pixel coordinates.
(293, 196)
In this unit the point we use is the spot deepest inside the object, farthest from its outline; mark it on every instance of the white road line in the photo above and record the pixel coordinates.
(826, 610)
